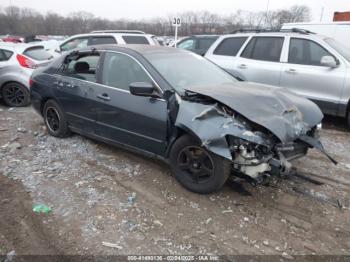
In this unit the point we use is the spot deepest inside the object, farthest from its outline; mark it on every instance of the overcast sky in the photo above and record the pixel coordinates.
(135, 9)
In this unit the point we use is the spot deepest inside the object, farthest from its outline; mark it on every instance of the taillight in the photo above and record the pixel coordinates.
(26, 62)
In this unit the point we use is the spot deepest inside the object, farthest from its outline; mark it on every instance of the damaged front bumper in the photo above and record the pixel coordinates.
(253, 150)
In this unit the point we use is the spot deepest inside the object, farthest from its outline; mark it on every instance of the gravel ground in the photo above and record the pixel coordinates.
(101, 194)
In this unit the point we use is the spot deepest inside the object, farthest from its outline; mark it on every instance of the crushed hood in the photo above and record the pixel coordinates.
(283, 113)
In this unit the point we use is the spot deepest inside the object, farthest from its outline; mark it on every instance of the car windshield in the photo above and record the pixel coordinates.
(340, 48)
(185, 69)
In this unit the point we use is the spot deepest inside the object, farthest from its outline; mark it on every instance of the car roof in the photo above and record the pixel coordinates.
(141, 49)
(205, 36)
(108, 34)
(311, 35)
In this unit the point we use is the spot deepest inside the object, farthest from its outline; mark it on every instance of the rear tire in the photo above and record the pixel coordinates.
(15, 94)
(55, 120)
(196, 168)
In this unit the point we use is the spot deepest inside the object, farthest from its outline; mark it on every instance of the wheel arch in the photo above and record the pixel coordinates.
(178, 131)
(44, 101)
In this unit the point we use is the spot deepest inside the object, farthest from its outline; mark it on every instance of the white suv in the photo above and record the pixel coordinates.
(107, 37)
(311, 65)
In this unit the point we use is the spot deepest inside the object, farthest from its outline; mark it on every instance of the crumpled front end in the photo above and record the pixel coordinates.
(253, 149)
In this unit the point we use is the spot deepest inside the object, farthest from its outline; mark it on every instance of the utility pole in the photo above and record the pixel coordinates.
(267, 11)
(322, 11)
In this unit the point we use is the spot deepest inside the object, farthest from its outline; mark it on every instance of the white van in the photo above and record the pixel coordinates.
(340, 31)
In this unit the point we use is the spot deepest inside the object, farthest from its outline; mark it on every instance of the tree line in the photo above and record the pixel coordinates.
(26, 21)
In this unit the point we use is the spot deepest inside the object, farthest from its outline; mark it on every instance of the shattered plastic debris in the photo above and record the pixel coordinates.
(107, 244)
(131, 199)
(41, 208)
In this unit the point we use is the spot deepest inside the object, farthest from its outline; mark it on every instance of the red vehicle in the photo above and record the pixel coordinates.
(13, 39)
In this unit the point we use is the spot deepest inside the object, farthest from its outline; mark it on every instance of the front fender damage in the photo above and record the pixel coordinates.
(212, 126)
(253, 151)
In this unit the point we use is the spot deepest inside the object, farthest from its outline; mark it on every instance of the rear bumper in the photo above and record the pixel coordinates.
(36, 101)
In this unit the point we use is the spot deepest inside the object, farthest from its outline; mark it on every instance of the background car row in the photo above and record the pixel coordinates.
(314, 66)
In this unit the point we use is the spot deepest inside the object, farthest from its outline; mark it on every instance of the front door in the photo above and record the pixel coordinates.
(140, 122)
(304, 74)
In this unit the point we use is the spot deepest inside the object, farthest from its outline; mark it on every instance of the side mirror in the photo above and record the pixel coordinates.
(57, 50)
(329, 61)
(142, 89)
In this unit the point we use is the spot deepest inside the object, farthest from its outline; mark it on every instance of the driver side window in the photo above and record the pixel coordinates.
(120, 71)
(306, 52)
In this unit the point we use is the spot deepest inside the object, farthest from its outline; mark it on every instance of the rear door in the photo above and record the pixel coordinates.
(75, 90)
(140, 122)
(224, 54)
(260, 60)
(304, 74)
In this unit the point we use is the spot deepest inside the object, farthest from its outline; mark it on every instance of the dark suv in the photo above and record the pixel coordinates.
(177, 106)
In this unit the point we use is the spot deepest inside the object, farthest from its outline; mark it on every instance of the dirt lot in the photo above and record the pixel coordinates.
(90, 185)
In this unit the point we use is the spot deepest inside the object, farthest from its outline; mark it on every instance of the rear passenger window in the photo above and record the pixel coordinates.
(102, 40)
(230, 46)
(264, 48)
(306, 52)
(133, 39)
(83, 67)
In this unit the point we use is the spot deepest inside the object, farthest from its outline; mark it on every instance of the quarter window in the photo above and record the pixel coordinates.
(5, 55)
(306, 52)
(121, 70)
(83, 67)
(264, 48)
(230, 46)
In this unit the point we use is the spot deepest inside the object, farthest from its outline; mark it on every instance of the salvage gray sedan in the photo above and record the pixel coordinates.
(180, 107)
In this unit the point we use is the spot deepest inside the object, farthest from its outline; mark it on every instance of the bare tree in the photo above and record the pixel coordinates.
(24, 21)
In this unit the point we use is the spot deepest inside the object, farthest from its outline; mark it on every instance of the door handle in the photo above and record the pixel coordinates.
(291, 70)
(242, 66)
(104, 96)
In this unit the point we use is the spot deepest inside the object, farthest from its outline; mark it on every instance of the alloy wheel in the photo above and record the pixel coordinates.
(52, 118)
(196, 164)
(14, 95)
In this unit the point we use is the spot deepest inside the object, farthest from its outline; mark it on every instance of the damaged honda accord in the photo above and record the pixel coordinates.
(180, 107)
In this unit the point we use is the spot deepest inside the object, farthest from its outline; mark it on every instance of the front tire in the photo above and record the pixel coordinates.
(15, 94)
(196, 168)
(55, 120)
